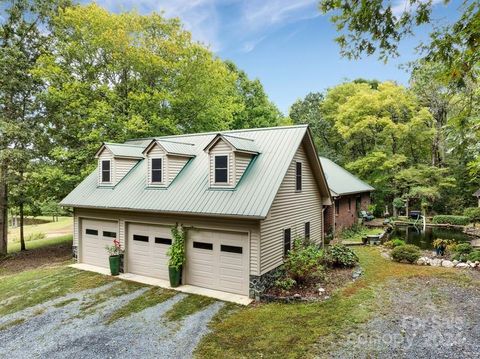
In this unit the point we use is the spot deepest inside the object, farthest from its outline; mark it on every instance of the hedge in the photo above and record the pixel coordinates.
(473, 213)
(455, 220)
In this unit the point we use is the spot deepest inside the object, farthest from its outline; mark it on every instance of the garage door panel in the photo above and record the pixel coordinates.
(223, 266)
(145, 256)
(93, 245)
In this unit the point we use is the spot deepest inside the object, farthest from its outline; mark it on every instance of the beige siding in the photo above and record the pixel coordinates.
(291, 209)
(156, 152)
(212, 223)
(106, 155)
(222, 148)
(175, 165)
(122, 167)
(241, 163)
(76, 229)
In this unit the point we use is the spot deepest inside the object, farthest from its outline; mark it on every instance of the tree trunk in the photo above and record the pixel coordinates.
(3, 211)
(22, 236)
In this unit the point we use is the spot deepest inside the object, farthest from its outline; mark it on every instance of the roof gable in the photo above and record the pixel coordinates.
(172, 147)
(121, 150)
(190, 193)
(240, 144)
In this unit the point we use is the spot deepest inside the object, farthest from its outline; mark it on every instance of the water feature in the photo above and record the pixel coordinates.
(424, 239)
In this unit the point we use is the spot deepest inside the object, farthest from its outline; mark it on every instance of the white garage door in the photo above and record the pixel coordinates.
(97, 234)
(147, 250)
(218, 260)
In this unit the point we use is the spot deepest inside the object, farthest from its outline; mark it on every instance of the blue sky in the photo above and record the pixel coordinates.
(288, 45)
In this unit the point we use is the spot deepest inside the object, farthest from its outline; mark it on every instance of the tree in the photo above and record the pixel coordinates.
(21, 44)
(258, 110)
(309, 111)
(367, 27)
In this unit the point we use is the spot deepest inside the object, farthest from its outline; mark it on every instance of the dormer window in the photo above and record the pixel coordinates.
(156, 170)
(106, 171)
(221, 169)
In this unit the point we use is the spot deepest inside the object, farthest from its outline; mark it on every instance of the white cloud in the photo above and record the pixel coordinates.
(401, 6)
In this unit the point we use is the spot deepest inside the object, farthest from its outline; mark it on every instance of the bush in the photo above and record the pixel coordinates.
(474, 256)
(407, 253)
(394, 243)
(462, 250)
(285, 283)
(453, 220)
(339, 255)
(473, 214)
(303, 262)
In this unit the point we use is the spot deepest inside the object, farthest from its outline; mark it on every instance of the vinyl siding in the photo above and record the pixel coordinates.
(157, 152)
(106, 155)
(212, 223)
(122, 167)
(172, 165)
(241, 163)
(119, 167)
(291, 209)
(175, 165)
(222, 148)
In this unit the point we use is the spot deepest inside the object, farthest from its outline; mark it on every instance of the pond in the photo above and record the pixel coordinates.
(424, 239)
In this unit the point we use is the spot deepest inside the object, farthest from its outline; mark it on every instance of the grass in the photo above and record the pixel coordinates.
(188, 306)
(356, 235)
(12, 324)
(150, 298)
(29, 288)
(294, 330)
(62, 225)
(39, 243)
(65, 302)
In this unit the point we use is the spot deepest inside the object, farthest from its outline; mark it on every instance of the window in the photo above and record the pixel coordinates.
(221, 169)
(231, 249)
(287, 239)
(349, 204)
(307, 230)
(92, 232)
(156, 168)
(337, 207)
(110, 234)
(159, 240)
(140, 238)
(298, 176)
(106, 171)
(203, 245)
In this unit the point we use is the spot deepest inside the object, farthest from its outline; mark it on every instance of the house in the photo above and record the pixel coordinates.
(243, 196)
(477, 194)
(350, 195)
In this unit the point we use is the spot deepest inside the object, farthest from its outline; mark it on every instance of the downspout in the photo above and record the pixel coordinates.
(323, 226)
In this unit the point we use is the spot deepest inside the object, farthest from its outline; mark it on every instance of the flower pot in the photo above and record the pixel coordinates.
(114, 264)
(175, 276)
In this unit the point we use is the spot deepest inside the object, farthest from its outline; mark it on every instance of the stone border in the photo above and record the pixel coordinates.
(440, 262)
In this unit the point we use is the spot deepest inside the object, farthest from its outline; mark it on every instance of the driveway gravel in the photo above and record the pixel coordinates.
(59, 332)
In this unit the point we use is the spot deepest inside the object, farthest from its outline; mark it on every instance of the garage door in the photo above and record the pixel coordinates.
(218, 260)
(97, 234)
(147, 250)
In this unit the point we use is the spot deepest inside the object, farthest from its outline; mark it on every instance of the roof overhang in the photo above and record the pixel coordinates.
(105, 146)
(219, 137)
(172, 153)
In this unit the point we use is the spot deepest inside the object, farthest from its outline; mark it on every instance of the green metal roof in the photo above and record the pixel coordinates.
(190, 192)
(125, 150)
(179, 148)
(342, 182)
(242, 144)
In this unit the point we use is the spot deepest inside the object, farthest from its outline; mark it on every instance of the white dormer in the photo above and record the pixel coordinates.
(165, 160)
(115, 160)
(229, 157)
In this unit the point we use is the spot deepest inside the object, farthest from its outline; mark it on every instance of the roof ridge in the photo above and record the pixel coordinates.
(181, 143)
(240, 138)
(121, 144)
(221, 132)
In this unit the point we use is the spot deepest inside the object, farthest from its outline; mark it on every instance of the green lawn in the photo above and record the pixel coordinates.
(40, 243)
(63, 226)
(294, 330)
(356, 236)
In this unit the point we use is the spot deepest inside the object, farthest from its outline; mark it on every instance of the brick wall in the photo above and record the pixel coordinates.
(347, 213)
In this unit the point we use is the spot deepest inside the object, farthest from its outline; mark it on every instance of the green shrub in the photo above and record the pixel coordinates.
(285, 283)
(394, 243)
(303, 262)
(464, 248)
(453, 220)
(473, 214)
(176, 252)
(339, 255)
(474, 256)
(352, 231)
(407, 253)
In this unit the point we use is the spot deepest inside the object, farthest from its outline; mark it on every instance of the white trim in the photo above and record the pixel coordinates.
(222, 184)
(163, 170)
(111, 171)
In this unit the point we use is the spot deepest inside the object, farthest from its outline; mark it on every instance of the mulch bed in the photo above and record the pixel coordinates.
(334, 279)
(35, 258)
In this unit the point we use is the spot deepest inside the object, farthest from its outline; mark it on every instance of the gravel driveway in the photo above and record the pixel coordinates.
(418, 318)
(58, 330)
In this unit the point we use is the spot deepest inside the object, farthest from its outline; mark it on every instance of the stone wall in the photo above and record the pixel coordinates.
(260, 283)
(75, 252)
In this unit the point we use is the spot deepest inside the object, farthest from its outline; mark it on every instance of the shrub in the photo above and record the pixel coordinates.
(352, 231)
(394, 243)
(339, 255)
(473, 214)
(407, 253)
(454, 220)
(285, 283)
(176, 252)
(303, 262)
(474, 256)
(441, 245)
(463, 248)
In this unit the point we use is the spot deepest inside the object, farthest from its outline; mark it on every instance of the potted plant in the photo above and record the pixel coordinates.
(115, 251)
(176, 253)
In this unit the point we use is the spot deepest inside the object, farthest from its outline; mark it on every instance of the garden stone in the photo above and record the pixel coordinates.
(473, 265)
(448, 264)
(436, 262)
(421, 261)
(455, 262)
(462, 265)
(321, 290)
